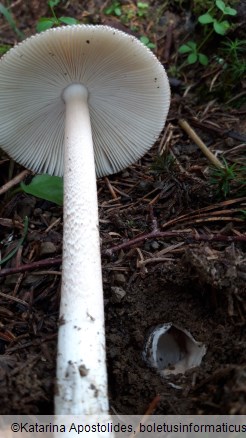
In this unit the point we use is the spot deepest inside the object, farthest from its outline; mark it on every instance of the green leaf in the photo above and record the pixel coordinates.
(203, 59)
(53, 3)
(230, 11)
(117, 12)
(220, 5)
(151, 45)
(184, 49)
(45, 187)
(192, 45)
(205, 18)
(45, 24)
(113, 9)
(8, 16)
(188, 47)
(142, 5)
(221, 27)
(68, 20)
(109, 10)
(144, 40)
(192, 58)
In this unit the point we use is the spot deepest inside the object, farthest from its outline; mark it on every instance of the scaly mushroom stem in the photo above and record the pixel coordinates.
(81, 368)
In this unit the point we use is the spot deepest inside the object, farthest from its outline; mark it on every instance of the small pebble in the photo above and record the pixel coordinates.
(117, 293)
(119, 278)
(37, 212)
(154, 245)
(47, 248)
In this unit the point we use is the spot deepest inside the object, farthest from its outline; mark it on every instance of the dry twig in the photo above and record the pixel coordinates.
(191, 133)
(14, 181)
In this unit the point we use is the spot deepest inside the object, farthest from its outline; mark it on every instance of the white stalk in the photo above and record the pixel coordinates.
(81, 367)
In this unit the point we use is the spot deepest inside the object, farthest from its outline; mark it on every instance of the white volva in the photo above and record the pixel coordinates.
(81, 369)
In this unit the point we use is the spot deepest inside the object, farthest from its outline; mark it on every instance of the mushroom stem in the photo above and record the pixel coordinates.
(81, 366)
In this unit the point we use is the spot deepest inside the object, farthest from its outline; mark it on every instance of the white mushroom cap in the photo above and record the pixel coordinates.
(128, 99)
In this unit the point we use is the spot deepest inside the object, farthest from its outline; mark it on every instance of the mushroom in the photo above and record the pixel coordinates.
(81, 101)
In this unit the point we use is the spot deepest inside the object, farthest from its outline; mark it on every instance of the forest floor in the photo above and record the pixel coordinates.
(188, 266)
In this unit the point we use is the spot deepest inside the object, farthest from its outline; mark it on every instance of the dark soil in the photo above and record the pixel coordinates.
(193, 275)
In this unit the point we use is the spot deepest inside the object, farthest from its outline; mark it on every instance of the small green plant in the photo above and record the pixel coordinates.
(14, 251)
(220, 26)
(8, 16)
(237, 69)
(215, 17)
(127, 12)
(145, 40)
(113, 9)
(233, 57)
(142, 9)
(229, 177)
(233, 48)
(46, 23)
(163, 164)
(193, 53)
